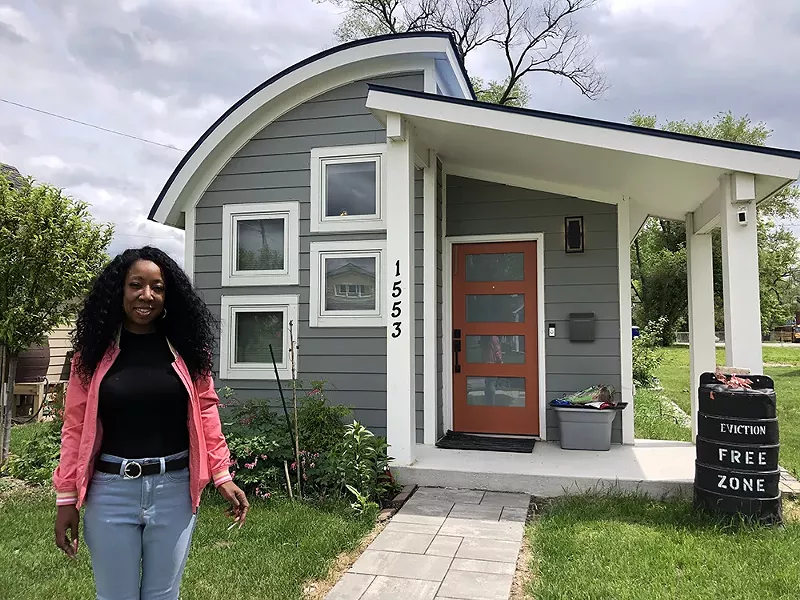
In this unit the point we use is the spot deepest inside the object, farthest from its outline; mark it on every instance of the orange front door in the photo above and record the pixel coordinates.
(495, 338)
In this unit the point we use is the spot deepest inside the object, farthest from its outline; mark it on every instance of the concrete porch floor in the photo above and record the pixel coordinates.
(657, 468)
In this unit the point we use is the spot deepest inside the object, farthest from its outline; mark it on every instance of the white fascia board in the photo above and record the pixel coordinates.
(586, 135)
(388, 56)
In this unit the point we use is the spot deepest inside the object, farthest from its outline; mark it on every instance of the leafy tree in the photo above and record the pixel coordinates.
(50, 251)
(658, 256)
(533, 36)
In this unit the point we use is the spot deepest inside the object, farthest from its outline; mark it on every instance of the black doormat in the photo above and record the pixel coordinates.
(453, 440)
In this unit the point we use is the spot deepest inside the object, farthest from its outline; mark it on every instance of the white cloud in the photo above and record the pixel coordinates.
(18, 23)
(166, 69)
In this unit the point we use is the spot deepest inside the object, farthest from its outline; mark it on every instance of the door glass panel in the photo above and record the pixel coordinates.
(495, 267)
(496, 391)
(495, 308)
(506, 349)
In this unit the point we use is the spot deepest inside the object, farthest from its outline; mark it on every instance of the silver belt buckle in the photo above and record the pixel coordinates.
(128, 475)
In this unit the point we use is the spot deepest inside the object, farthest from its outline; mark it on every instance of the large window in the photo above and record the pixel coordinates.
(250, 325)
(346, 284)
(260, 244)
(347, 188)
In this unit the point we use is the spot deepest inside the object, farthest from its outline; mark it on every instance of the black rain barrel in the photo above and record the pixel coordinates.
(736, 468)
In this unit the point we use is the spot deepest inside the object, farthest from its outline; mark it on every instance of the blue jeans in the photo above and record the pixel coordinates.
(138, 532)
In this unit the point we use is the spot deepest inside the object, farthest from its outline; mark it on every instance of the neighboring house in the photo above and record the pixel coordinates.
(48, 362)
(412, 216)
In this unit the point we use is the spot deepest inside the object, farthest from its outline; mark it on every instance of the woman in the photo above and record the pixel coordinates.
(142, 434)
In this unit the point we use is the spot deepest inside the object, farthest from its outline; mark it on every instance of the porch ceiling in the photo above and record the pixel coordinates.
(669, 175)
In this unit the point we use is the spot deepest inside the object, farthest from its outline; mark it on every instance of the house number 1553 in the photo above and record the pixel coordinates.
(397, 308)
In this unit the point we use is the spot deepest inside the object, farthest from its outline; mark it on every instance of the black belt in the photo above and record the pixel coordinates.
(136, 469)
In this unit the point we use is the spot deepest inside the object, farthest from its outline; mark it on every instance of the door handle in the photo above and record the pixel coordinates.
(456, 350)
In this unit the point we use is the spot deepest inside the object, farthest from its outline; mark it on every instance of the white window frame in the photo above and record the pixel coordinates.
(232, 214)
(233, 305)
(320, 158)
(318, 317)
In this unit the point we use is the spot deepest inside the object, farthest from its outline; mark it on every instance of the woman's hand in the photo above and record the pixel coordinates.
(238, 501)
(67, 520)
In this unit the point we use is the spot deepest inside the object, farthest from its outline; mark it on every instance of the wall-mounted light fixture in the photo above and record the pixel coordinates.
(573, 234)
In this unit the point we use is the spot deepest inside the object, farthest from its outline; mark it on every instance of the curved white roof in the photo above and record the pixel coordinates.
(291, 87)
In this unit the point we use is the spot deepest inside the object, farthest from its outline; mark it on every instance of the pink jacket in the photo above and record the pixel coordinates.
(81, 435)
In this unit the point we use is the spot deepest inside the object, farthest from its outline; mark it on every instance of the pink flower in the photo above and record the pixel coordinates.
(294, 466)
(264, 457)
(233, 474)
(305, 477)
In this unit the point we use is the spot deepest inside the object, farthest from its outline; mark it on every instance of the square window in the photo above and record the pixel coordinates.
(350, 189)
(350, 283)
(250, 325)
(346, 288)
(260, 244)
(347, 188)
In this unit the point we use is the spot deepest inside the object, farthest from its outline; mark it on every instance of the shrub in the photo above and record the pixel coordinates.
(647, 352)
(320, 423)
(335, 460)
(38, 456)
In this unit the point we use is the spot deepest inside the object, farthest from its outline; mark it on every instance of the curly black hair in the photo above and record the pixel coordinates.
(189, 325)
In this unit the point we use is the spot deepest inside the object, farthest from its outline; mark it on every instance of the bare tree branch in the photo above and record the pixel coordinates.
(534, 36)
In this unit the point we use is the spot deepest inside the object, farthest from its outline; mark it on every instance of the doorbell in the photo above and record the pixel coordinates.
(741, 216)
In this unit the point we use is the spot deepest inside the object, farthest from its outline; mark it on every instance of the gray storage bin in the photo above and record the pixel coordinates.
(585, 428)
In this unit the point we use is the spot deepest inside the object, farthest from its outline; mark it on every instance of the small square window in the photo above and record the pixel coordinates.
(250, 325)
(347, 188)
(351, 189)
(260, 244)
(346, 288)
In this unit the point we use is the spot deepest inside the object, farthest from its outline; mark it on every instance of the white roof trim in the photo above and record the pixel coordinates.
(328, 71)
(518, 122)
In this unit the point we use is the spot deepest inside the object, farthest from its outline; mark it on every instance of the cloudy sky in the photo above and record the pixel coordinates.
(164, 70)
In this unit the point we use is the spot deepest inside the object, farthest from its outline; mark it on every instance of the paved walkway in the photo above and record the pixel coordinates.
(443, 544)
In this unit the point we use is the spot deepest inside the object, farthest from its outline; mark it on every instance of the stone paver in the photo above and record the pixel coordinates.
(483, 566)
(480, 549)
(476, 586)
(476, 511)
(492, 530)
(399, 564)
(443, 544)
(402, 541)
(391, 588)
(351, 585)
(519, 515)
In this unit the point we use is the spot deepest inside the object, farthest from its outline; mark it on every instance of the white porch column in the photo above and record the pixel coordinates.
(400, 368)
(625, 317)
(740, 273)
(700, 279)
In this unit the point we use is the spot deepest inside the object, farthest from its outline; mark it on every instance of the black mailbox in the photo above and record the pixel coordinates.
(581, 327)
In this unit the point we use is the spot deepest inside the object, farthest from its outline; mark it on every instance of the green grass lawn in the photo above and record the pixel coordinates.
(633, 548)
(654, 422)
(282, 546)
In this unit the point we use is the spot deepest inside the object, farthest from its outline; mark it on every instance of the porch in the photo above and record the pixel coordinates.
(618, 176)
(657, 468)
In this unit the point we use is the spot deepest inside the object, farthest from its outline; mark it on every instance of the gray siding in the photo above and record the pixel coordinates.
(586, 282)
(275, 166)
